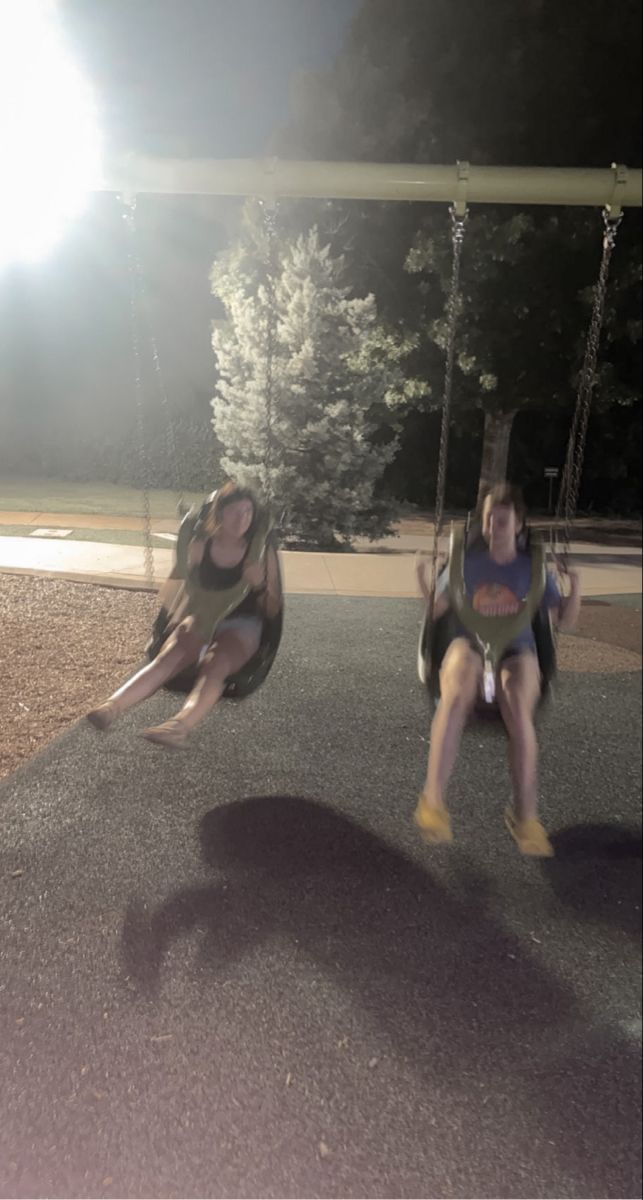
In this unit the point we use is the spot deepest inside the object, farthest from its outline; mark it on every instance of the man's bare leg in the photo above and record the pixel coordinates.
(460, 677)
(518, 693)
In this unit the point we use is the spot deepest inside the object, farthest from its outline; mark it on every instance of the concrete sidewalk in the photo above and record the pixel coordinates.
(383, 575)
(384, 568)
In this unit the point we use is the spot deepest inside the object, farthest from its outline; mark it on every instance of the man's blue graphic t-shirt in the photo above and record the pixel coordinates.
(489, 584)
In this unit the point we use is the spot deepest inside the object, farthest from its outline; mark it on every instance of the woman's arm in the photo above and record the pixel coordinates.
(263, 578)
(169, 591)
(188, 553)
(196, 550)
(271, 598)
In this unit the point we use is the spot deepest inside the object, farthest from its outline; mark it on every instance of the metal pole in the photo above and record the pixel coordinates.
(614, 187)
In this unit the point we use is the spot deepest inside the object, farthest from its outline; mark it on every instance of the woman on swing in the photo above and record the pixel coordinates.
(495, 578)
(218, 554)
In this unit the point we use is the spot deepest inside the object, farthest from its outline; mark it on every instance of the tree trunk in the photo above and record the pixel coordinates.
(495, 450)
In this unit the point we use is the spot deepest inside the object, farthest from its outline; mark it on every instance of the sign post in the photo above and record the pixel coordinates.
(551, 473)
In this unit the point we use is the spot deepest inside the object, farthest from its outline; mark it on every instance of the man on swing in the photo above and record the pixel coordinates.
(496, 578)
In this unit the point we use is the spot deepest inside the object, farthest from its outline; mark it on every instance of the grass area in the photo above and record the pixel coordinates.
(21, 494)
(115, 537)
(107, 499)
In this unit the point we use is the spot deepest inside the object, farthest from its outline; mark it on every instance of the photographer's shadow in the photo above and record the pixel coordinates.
(451, 989)
(597, 872)
(355, 905)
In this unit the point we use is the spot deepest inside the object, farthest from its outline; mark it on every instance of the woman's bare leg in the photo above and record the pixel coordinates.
(231, 651)
(181, 649)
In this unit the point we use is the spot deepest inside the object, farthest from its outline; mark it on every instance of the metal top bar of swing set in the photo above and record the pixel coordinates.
(614, 187)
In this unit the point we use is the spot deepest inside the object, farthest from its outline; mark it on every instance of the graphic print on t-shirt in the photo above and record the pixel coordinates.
(495, 600)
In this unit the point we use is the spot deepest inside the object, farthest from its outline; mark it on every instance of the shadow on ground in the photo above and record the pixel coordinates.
(597, 872)
(459, 998)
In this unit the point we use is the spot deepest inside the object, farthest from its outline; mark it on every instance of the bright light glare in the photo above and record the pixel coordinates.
(49, 144)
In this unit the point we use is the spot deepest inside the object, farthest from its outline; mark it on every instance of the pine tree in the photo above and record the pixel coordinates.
(307, 374)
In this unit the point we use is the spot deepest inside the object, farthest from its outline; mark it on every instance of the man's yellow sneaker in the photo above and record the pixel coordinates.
(434, 824)
(530, 836)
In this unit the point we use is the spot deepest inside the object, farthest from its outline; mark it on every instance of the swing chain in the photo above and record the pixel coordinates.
(143, 299)
(572, 472)
(269, 211)
(612, 222)
(170, 432)
(458, 230)
(129, 203)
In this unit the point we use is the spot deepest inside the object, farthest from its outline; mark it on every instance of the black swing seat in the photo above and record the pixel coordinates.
(256, 670)
(436, 636)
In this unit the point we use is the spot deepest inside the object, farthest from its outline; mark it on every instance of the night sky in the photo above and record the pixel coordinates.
(200, 77)
(170, 77)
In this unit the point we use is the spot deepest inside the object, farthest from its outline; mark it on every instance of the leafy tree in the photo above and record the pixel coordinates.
(440, 80)
(525, 303)
(306, 375)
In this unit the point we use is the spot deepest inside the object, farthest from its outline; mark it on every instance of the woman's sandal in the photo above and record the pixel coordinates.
(103, 716)
(172, 734)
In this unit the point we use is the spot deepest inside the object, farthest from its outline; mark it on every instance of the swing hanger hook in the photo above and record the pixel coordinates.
(128, 200)
(268, 197)
(458, 211)
(613, 211)
(459, 207)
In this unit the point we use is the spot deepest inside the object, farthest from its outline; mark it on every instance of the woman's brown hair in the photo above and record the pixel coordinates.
(230, 493)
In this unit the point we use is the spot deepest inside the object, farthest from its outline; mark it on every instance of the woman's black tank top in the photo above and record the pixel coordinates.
(214, 578)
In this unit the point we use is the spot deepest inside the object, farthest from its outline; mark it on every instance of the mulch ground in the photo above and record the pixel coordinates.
(613, 624)
(65, 646)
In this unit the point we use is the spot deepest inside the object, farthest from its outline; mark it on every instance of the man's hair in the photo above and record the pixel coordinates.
(508, 495)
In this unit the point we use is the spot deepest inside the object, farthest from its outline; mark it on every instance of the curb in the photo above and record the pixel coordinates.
(138, 584)
(124, 582)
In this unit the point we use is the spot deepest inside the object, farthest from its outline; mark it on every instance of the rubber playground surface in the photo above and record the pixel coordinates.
(237, 972)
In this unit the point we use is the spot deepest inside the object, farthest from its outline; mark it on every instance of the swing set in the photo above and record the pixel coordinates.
(612, 190)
